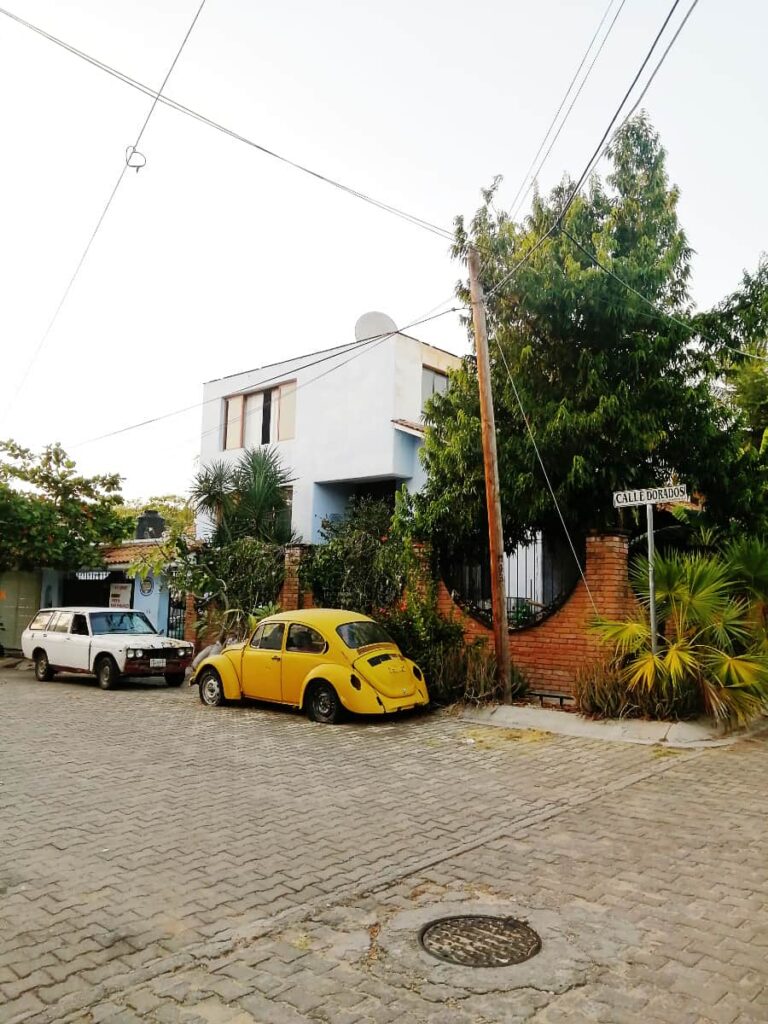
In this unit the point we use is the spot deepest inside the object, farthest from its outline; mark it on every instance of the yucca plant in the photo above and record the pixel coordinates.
(707, 638)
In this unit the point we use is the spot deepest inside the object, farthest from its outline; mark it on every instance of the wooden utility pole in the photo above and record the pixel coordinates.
(492, 491)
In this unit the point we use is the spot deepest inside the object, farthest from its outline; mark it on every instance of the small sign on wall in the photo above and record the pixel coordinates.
(120, 595)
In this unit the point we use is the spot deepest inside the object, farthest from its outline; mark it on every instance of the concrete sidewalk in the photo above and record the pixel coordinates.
(701, 733)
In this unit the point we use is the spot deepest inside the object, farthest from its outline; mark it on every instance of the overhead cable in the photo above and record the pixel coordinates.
(600, 146)
(520, 196)
(181, 108)
(657, 309)
(363, 342)
(126, 164)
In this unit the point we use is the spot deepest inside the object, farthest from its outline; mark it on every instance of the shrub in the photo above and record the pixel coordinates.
(601, 692)
(709, 641)
(454, 670)
(434, 643)
(481, 683)
(360, 565)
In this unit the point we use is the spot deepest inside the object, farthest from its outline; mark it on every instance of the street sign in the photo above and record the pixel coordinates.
(651, 496)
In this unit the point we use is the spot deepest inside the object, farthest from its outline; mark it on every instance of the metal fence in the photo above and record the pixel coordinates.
(176, 611)
(538, 577)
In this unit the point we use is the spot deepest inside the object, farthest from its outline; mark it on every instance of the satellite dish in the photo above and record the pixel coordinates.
(370, 325)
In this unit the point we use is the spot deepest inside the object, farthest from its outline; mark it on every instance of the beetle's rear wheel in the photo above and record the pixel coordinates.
(323, 704)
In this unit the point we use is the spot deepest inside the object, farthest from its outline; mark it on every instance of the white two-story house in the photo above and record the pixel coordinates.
(346, 421)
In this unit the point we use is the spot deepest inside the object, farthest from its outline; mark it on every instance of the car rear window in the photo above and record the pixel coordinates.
(41, 620)
(363, 633)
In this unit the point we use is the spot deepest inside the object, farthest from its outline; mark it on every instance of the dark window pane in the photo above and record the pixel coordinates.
(266, 419)
(272, 636)
(304, 640)
(79, 626)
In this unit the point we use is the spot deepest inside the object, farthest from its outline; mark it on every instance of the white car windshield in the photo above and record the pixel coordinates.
(135, 623)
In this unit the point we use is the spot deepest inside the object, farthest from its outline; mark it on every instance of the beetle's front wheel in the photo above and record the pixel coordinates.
(211, 690)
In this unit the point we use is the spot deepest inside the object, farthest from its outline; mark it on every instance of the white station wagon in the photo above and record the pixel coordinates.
(108, 642)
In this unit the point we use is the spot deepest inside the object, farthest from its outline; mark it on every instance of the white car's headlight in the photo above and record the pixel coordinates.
(139, 654)
(129, 653)
(182, 653)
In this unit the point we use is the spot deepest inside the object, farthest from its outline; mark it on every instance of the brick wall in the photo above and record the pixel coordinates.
(551, 653)
(291, 596)
(190, 618)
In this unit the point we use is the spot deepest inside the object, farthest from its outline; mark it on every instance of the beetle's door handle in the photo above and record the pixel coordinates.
(275, 657)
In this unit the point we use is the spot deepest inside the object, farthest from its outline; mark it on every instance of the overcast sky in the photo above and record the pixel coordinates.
(215, 258)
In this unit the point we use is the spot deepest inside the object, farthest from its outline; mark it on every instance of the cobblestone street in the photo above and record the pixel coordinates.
(161, 861)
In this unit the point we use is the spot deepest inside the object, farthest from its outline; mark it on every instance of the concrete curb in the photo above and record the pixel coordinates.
(701, 733)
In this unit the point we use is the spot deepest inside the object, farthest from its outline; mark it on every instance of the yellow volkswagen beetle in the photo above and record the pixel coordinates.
(322, 660)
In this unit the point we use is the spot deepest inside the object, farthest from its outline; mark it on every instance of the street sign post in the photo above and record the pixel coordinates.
(674, 494)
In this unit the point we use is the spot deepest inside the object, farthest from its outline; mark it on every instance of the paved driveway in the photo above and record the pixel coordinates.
(166, 862)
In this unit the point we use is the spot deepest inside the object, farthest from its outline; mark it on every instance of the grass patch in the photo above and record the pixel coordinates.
(492, 738)
(660, 752)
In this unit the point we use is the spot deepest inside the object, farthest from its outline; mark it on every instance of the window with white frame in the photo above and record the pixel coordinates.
(432, 382)
(260, 417)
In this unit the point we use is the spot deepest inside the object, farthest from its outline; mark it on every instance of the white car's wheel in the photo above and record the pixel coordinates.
(43, 670)
(107, 672)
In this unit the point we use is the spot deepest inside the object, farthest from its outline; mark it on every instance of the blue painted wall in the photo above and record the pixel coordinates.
(154, 604)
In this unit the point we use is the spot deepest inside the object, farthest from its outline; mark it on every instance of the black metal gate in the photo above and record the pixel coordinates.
(539, 576)
(177, 604)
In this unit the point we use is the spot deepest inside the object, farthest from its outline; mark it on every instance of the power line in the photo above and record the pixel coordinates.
(364, 342)
(181, 108)
(100, 221)
(584, 80)
(663, 57)
(599, 150)
(546, 474)
(657, 309)
(562, 103)
(596, 155)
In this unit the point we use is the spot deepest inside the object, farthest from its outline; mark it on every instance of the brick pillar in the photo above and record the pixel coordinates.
(606, 572)
(190, 618)
(290, 593)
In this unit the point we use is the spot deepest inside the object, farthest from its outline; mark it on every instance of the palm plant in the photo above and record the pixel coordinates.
(246, 499)
(747, 560)
(707, 638)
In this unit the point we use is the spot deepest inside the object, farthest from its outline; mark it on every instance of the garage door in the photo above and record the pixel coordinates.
(19, 600)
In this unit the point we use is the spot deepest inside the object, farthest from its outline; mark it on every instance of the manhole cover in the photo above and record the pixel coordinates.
(479, 940)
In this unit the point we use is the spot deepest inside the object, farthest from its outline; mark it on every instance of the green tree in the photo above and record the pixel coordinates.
(50, 515)
(361, 564)
(177, 512)
(248, 498)
(240, 567)
(740, 324)
(711, 641)
(616, 394)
